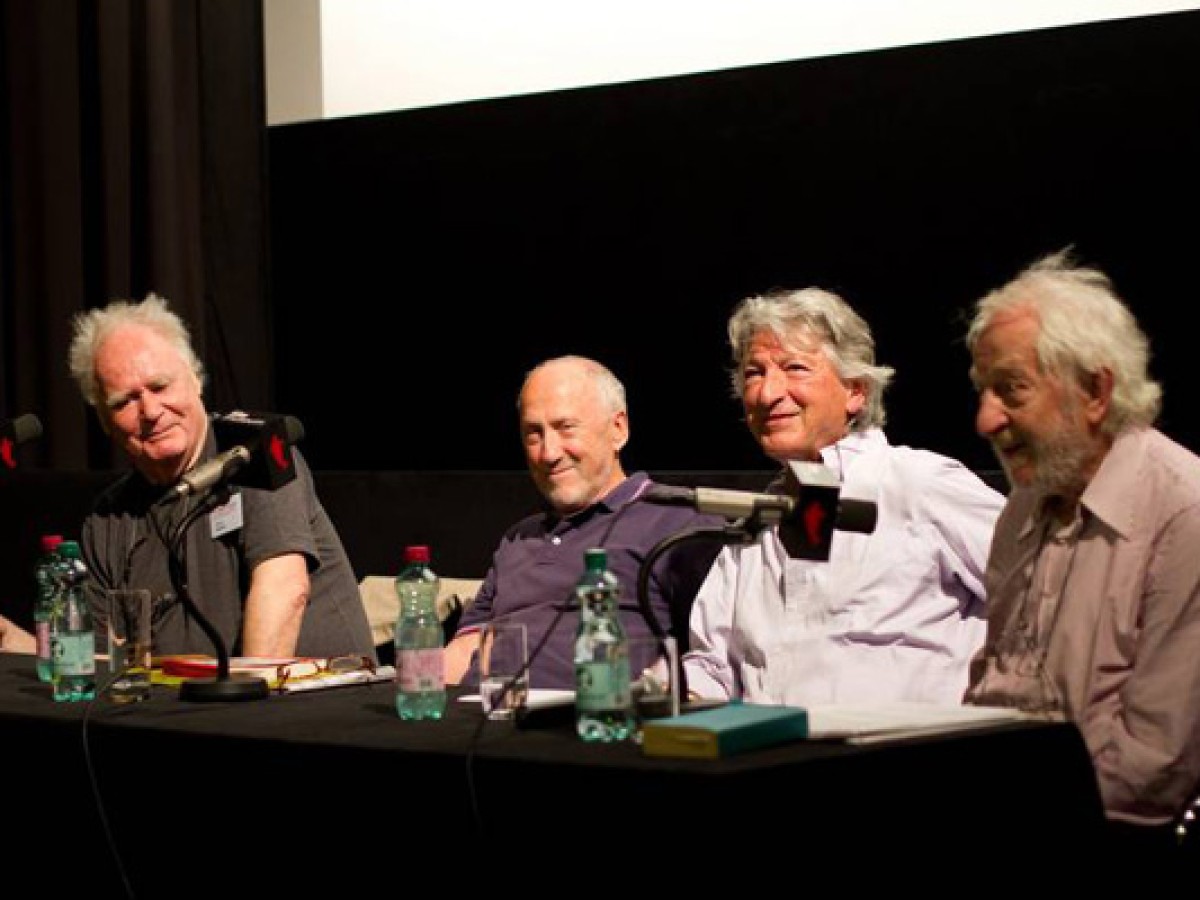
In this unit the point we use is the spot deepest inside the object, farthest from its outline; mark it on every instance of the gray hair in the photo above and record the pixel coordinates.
(612, 392)
(843, 335)
(94, 327)
(1084, 327)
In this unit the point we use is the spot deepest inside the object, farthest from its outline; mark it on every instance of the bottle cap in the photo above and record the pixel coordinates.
(595, 559)
(416, 553)
(50, 542)
(69, 548)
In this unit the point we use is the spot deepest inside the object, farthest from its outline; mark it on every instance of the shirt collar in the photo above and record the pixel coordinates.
(623, 493)
(626, 491)
(1106, 496)
(841, 455)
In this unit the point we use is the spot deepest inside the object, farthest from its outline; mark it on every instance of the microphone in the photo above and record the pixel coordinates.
(808, 532)
(260, 455)
(215, 471)
(770, 508)
(807, 515)
(15, 432)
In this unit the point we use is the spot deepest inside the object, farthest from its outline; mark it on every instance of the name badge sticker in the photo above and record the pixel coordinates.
(226, 518)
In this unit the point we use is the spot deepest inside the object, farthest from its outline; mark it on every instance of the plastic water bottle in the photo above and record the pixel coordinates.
(603, 699)
(72, 640)
(420, 665)
(46, 580)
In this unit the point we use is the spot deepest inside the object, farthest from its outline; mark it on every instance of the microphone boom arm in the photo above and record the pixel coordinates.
(224, 686)
(742, 532)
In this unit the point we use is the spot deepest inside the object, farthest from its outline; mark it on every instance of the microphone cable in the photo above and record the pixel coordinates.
(507, 689)
(109, 838)
(533, 655)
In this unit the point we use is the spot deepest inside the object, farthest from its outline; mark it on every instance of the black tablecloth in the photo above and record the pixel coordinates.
(282, 793)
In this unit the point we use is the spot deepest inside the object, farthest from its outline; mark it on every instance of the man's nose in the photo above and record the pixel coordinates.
(551, 448)
(772, 387)
(149, 406)
(991, 417)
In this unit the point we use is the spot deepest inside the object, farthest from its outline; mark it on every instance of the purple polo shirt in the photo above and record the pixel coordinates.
(534, 570)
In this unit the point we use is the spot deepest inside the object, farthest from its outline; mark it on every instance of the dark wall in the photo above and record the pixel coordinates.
(460, 514)
(423, 260)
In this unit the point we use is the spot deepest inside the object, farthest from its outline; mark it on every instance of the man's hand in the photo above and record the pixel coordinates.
(457, 656)
(15, 639)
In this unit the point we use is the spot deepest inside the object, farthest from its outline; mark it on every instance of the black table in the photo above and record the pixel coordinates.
(295, 792)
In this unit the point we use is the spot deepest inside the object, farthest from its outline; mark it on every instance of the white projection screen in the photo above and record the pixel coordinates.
(335, 58)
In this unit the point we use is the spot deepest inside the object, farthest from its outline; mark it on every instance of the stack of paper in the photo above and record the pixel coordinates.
(862, 723)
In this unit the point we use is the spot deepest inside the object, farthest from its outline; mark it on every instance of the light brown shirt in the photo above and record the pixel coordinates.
(1104, 613)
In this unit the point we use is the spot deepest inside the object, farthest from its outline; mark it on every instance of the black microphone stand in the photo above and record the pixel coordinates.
(743, 531)
(224, 686)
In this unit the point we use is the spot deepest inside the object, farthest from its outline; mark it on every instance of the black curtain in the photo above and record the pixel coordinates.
(132, 159)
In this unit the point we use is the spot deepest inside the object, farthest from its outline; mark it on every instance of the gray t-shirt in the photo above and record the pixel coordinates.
(127, 536)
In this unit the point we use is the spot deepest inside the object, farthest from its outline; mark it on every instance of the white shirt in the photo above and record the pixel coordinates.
(892, 615)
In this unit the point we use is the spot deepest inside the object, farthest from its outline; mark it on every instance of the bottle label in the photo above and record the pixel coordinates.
(418, 671)
(602, 686)
(73, 654)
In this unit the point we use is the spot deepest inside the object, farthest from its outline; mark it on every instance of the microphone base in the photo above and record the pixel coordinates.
(235, 687)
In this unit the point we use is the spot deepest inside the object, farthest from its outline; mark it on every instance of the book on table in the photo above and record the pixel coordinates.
(723, 730)
(713, 733)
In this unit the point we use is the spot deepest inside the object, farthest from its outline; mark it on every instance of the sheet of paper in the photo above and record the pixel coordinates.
(865, 722)
(539, 698)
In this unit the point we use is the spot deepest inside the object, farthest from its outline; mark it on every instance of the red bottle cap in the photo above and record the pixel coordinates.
(416, 553)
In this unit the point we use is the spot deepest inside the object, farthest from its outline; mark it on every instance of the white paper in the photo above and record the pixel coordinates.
(338, 679)
(539, 698)
(866, 722)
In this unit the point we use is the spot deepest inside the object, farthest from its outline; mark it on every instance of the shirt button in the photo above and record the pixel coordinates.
(556, 540)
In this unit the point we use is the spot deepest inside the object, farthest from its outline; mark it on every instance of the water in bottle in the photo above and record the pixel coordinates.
(72, 639)
(420, 673)
(603, 699)
(46, 581)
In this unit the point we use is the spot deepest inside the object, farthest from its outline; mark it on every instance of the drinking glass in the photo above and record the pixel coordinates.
(129, 644)
(654, 668)
(503, 672)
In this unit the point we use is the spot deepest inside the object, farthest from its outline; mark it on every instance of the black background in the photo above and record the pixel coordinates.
(423, 260)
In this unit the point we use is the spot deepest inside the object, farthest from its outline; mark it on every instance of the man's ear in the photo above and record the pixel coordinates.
(856, 400)
(620, 426)
(1097, 394)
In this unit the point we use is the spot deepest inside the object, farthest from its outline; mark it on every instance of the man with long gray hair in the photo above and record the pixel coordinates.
(1094, 574)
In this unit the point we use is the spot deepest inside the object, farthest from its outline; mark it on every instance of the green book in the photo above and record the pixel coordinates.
(713, 733)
